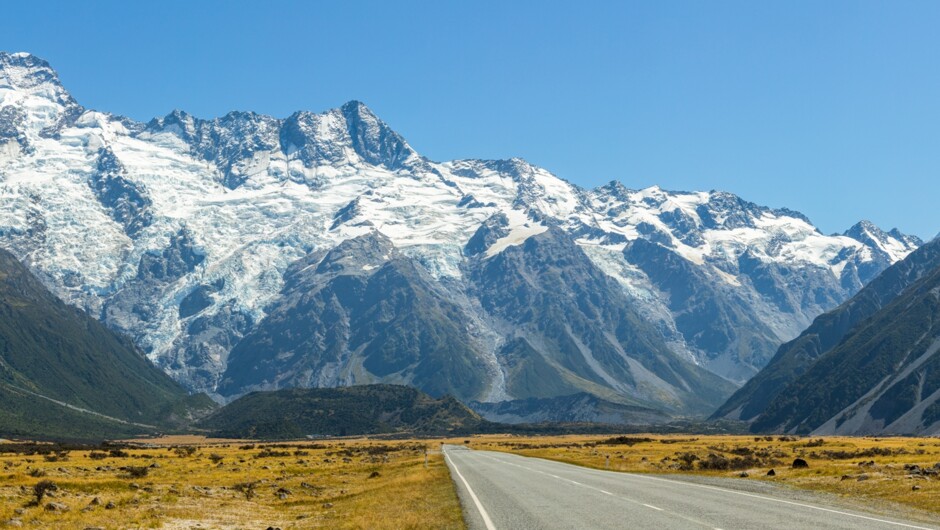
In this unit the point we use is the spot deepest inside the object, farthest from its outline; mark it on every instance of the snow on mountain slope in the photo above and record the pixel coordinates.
(179, 232)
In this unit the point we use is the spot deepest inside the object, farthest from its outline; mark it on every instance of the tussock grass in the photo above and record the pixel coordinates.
(327, 484)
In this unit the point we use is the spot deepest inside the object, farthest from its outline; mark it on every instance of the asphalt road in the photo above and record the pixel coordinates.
(505, 491)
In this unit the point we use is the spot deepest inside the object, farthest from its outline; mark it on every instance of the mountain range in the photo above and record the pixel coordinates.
(249, 252)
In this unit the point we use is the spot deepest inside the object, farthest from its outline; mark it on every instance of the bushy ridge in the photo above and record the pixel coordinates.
(348, 411)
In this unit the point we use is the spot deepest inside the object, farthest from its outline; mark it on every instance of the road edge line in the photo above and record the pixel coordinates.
(473, 496)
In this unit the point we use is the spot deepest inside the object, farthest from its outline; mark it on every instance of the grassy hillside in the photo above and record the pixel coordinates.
(26, 417)
(49, 349)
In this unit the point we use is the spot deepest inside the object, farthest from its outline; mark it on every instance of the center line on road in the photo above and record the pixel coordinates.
(531, 470)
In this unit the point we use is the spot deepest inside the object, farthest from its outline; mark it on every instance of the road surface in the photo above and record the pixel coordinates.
(501, 491)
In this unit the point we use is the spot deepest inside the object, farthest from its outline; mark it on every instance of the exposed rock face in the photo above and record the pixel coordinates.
(126, 204)
(359, 314)
(573, 329)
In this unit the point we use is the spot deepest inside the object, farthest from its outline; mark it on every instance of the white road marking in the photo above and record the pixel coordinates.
(531, 470)
(762, 497)
(486, 517)
(704, 486)
(726, 490)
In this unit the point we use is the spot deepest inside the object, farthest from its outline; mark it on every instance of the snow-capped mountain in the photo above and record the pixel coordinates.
(211, 241)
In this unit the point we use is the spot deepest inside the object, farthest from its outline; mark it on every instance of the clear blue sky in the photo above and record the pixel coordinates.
(831, 108)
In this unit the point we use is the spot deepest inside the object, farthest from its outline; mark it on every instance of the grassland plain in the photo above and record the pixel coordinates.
(896, 473)
(188, 483)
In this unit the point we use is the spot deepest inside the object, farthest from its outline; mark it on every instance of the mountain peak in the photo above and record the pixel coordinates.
(22, 70)
(893, 243)
(865, 231)
(864, 224)
(22, 60)
(374, 141)
(901, 236)
(26, 77)
(17, 55)
(326, 138)
(354, 106)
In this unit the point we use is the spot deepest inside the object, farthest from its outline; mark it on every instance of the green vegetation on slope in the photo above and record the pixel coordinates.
(50, 349)
(355, 410)
(25, 416)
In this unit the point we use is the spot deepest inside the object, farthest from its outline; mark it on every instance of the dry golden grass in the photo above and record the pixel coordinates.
(835, 463)
(327, 484)
(330, 484)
